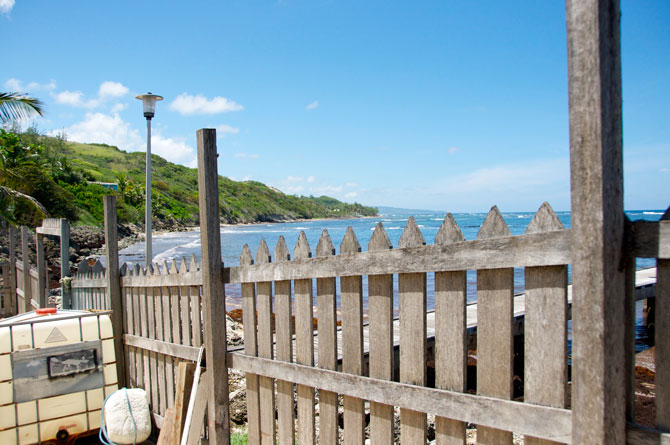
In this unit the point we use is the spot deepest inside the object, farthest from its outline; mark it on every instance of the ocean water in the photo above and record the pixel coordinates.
(169, 246)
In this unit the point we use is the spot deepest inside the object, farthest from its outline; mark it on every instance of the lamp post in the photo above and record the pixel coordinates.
(149, 105)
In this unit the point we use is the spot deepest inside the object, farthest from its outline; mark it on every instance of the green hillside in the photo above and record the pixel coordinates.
(70, 168)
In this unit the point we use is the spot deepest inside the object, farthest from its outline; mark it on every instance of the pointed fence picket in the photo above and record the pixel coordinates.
(284, 349)
(351, 289)
(304, 342)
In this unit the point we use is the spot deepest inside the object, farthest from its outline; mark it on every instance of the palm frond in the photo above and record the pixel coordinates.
(16, 106)
(9, 195)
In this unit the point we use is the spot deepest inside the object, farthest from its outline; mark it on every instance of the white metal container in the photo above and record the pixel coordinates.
(55, 371)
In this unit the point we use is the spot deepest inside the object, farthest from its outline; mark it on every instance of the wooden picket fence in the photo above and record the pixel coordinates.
(89, 287)
(23, 288)
(351, 367)
(161, 306)
(291, 358)
(7, 290)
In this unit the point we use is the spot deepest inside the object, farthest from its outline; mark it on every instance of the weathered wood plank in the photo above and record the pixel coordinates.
(144, 332)
(536, 420)
(650, 239)
(250, 348)
(284, 340)
(495, 339)
(185, 374)
(351, 296)
(662, 335)
(128, 311)
(546, 324)
(25, 252)
(380, 315)
(327, 354)
(139, 355)
(175, 311)
(194, 308)
(266, 389)
(181, 352)
(196, 316)
(412, 294)
(596, 177)
(190, 278)
(450, 335)
(153, 357)
(41, 294)
(160, 358)
(167, 336)
(537, 249)
(214, 304)
(13, 276)
(185, 308)
(199, 409)
(304, 343)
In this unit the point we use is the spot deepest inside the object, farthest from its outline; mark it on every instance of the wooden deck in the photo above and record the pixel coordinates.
(645, 286)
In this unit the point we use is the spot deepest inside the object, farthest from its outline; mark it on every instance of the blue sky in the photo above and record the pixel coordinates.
(449, 105)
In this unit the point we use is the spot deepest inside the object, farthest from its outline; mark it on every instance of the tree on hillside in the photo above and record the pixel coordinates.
(16, 106)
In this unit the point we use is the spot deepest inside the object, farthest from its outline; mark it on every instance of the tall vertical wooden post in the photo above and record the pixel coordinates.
(213, 288)
(41, 271)
(27, 292)
(596, 166)
(65, 262)
(12, 269)
(113, 284)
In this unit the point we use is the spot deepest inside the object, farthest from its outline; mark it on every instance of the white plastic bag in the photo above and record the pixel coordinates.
(127, 418)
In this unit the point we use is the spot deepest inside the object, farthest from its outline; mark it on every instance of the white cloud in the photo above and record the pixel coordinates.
(313, 106)
(75, 99)
(173, 149)
(452, 150)
(310, 186)
(6, 6)
(187, 104)
(118, 107)
(665, 170)
(15, 85)
(247, 155)
(112, 89)
(521, 177)
(107, 90)
(112, 130)
(326, 189)
(224, 129)
(103, 128)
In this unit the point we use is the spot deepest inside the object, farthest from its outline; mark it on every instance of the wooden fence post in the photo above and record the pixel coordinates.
(596, 170)
(212, 288)
(42, 286)
(114, 284)
(27, 292)
(65, 262)
(12, 269)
